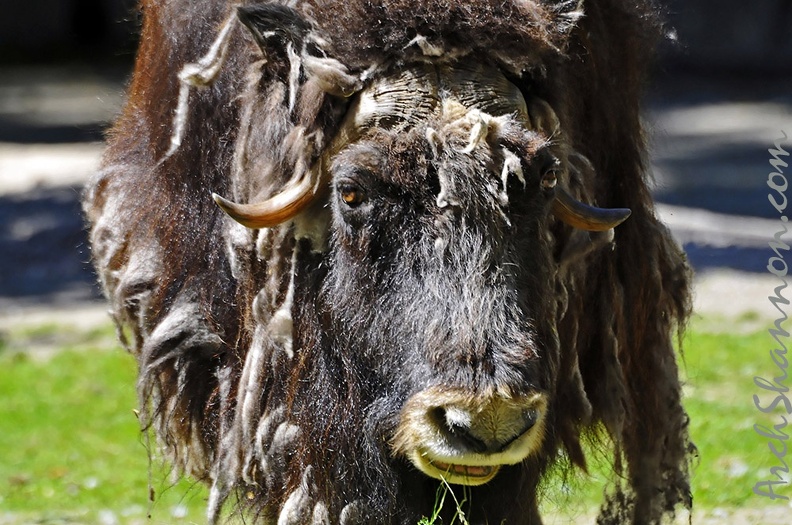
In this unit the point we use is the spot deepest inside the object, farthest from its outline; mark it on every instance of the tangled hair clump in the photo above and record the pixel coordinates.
(519, 33)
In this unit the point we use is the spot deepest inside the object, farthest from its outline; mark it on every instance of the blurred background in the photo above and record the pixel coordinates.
(721, 96)
(63, 67)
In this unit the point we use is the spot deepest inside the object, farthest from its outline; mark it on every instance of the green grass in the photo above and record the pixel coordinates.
(70, 445)
(71, 450)
(458, 506)
(718, 371)
(719, 399)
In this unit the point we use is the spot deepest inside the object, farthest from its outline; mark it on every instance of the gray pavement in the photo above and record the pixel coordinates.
(709, 142)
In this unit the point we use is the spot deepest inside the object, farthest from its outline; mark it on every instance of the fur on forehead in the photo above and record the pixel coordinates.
(398, 158)
(403, 158)
(519, 34)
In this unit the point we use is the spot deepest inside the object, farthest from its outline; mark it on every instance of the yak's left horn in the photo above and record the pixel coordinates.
(585, 217)
(278, 209)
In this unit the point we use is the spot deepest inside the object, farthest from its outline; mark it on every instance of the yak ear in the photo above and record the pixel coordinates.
(274, 26)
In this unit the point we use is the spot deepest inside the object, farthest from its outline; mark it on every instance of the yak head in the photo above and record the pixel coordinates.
(427, 194)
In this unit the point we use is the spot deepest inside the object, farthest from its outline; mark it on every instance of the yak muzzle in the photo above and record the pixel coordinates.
(449, 434)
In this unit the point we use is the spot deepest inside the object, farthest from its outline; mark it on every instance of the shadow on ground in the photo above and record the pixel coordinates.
(44, 255)
(51, 118)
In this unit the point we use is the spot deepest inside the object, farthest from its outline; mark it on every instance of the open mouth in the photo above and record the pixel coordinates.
(470, 471)
(457, 473)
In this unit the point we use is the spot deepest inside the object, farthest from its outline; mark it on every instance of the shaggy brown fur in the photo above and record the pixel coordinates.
(297, 419)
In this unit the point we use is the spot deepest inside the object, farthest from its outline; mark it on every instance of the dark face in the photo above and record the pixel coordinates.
(423, 293)
(440, 284)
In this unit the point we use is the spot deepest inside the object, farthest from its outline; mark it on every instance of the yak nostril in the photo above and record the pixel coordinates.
(455, 426)
(463, 434)
(530, 417)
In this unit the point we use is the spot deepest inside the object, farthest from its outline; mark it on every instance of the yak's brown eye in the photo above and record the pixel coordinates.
(549, 180)
(352, 194)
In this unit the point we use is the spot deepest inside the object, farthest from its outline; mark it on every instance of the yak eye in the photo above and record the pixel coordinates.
(352, 194)
(549, 180)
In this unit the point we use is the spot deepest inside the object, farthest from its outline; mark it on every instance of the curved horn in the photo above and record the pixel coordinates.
(277, 210)
(400, 100)
(585, 217)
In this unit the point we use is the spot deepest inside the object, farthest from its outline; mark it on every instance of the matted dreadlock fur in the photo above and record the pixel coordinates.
(264, 354)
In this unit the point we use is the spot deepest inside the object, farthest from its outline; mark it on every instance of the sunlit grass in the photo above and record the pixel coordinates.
(719, 399)
(71, 449)
(70, 445)
(718, 371)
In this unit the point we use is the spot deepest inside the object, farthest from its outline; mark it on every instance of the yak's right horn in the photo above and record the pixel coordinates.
(585, 217)
(277, 209)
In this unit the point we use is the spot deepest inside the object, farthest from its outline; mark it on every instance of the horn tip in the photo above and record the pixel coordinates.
(624, 214)
(224, 204)
(618, 216)
(220, 201)
(231, 209)
(586, 217)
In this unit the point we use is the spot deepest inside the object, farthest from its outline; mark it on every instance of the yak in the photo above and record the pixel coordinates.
(364, 249)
